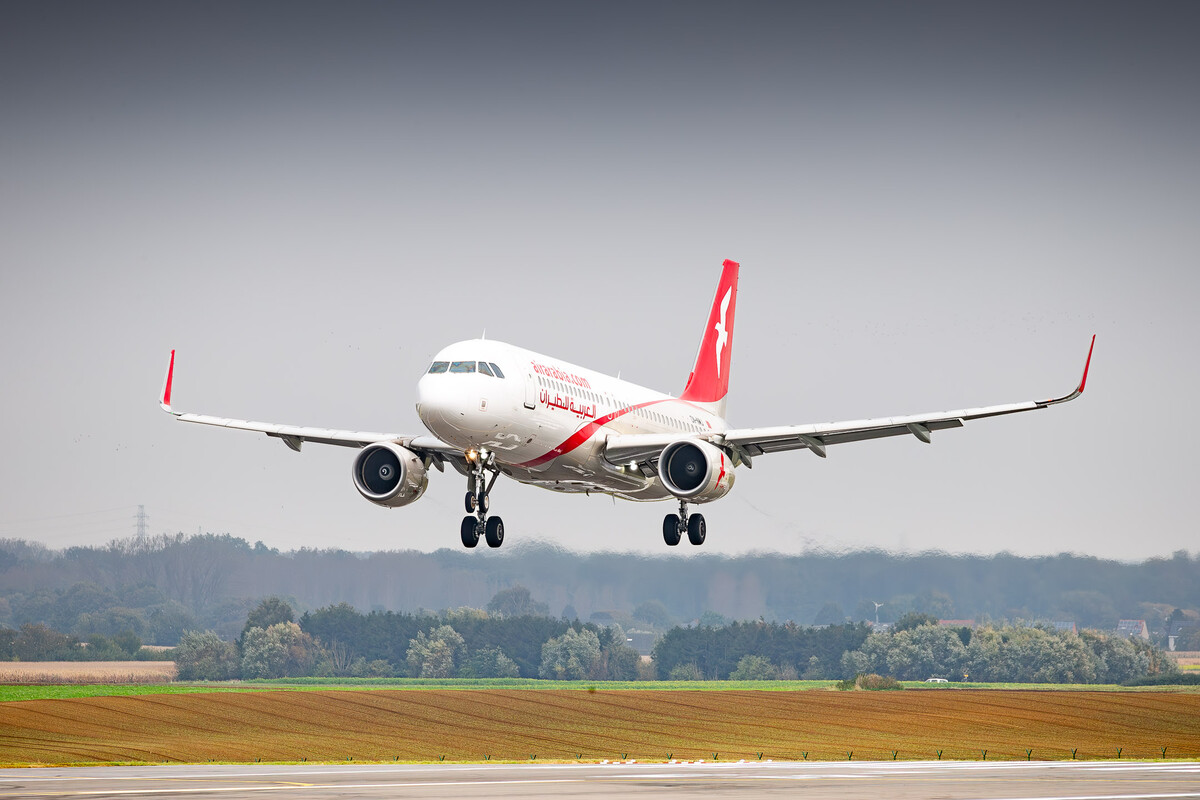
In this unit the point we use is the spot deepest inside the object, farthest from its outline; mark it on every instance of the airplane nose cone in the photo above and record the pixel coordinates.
(447, 406)
(430, 403)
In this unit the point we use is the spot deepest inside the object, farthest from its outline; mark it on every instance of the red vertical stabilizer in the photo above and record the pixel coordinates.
(709, 381)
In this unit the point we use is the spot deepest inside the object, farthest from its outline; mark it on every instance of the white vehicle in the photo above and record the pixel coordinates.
(494, 409)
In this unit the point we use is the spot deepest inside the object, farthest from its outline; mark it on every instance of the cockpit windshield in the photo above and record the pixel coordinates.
(488, 368)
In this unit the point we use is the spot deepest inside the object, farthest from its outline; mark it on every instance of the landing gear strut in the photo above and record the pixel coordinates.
(674, 526)
(479, 486)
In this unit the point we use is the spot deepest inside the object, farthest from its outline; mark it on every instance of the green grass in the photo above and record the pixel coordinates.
(65, 691)
(530, 683)
(9, 694)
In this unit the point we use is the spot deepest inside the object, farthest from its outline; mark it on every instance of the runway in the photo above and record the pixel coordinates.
(911, 780)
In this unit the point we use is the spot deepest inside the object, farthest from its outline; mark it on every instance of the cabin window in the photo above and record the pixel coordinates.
(438, 367)
(485, 369)
(462, 366)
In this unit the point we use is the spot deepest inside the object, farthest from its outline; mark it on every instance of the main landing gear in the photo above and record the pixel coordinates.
(675, 524)
(476, 502)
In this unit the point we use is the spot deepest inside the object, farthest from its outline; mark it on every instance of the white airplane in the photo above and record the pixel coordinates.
(498, 409)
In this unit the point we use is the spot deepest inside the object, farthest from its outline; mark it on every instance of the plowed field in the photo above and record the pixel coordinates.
(569, 725)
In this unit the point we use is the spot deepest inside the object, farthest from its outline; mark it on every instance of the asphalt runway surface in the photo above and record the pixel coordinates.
(905, 780)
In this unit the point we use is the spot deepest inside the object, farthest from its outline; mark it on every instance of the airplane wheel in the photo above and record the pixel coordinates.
(470, 532)
(671, 529)
(469, 502)
(697, 529)
(495, 532)
(485, 503)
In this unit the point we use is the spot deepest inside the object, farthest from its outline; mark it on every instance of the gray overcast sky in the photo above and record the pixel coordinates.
(935, 206)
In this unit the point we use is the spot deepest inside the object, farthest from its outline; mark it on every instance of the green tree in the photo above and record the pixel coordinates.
(128, 642)
(37, 642)
(280, 651)
(618, 661)
(8, 642)
(754, 668)
(205, 657)
(1117, 658)
(685, 672)
(434, 655)
(516, 601)
(270, 611)
(913, 619)
(490, 662)
(570, 657)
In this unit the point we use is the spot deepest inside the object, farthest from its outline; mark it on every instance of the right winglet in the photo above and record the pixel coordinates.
(164, 400)
(1082, 381)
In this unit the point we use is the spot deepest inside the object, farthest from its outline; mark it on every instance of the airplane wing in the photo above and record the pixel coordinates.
(295, 436)
(743, 444)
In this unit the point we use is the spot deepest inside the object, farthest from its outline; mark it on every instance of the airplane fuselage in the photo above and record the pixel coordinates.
(546, 420)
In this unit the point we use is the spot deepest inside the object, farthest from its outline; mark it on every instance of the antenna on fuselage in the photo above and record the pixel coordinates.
(483, 335)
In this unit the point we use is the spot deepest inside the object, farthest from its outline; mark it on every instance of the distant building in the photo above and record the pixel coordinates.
(957, 623)
(1133, 629)
(1067, 625)
(879, 627)
(1177, 631)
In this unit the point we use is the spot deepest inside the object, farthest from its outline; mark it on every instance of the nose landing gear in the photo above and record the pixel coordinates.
(476, 502)
(674, 526)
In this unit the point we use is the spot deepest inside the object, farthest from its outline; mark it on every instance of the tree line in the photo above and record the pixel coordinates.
(468, 643)
(159, 586)
(473, 643)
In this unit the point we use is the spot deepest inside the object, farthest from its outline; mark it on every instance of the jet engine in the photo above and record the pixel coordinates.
(389, 475)
(695, 471)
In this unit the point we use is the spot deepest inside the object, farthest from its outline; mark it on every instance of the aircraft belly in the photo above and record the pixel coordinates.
(583, 471)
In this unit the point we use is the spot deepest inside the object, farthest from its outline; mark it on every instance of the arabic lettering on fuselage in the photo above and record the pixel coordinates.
(560, 375)
(568, 404)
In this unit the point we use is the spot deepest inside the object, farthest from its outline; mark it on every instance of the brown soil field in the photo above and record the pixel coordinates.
(571, 725)
(136, 672)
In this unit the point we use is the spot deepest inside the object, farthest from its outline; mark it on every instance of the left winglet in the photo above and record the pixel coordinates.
(1082, 381)
(164, 399)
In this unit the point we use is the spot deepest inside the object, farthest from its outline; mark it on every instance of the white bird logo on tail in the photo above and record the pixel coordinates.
(722, 334)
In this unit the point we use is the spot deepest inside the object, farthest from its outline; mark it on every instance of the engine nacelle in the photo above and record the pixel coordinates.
(389, 475)
(695, 471)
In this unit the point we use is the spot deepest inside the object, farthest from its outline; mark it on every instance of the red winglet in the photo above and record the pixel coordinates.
(1088, 363)
(1082, 381)
(165, 400)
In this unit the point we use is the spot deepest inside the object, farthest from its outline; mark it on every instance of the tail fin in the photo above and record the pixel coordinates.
(709, 382)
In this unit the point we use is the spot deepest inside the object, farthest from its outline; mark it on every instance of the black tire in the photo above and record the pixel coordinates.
(495, 532)
(469, 502)
(671, 533)
(697, 529)
(470, 532)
